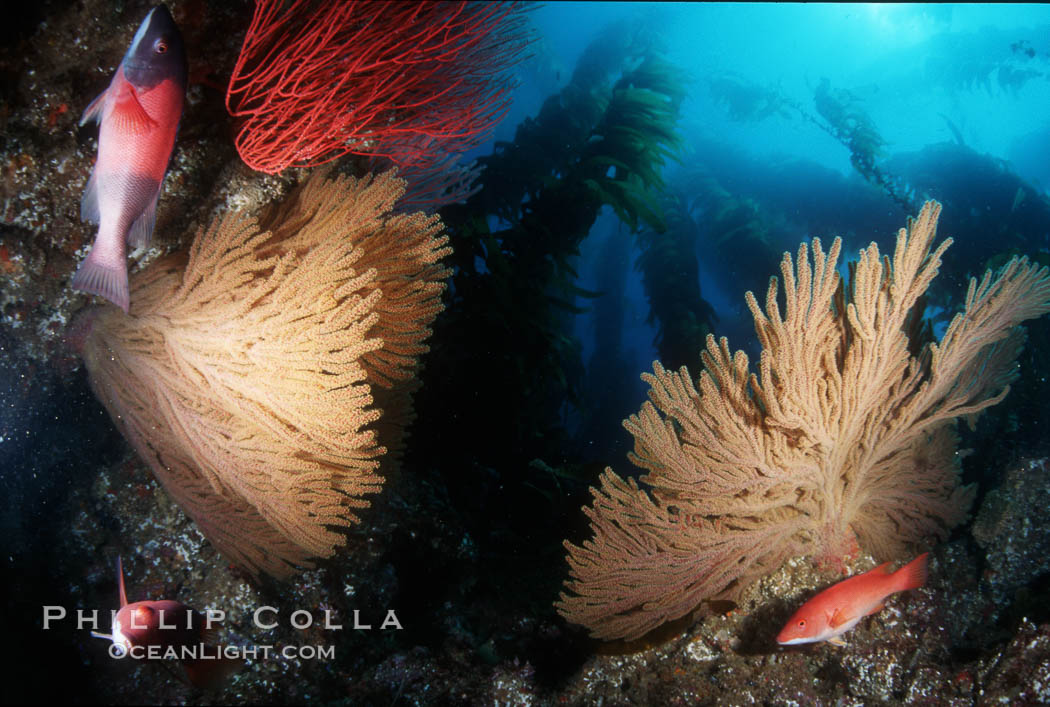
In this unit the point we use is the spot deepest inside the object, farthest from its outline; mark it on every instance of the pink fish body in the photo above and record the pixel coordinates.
(838, 608)
(139, 115)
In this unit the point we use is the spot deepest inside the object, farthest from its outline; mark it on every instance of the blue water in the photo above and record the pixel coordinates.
(908, 62)
(915, 69)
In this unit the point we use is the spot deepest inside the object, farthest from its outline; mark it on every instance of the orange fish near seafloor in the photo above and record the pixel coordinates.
(838, 608)
(138, 116)
(168, 624)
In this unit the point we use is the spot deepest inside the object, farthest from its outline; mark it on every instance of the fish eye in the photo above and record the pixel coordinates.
(801, 623)
(160, 46)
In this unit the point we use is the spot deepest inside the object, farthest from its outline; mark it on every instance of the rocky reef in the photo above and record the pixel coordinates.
(476, 626)
(471, 636)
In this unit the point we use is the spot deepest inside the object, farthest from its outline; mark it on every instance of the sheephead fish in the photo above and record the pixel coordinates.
(838, 608)
(138, 117)
(167, 624)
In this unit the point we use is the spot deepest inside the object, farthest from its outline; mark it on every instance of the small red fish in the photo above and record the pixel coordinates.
(138, 115)
(167, 624)
(838, 608)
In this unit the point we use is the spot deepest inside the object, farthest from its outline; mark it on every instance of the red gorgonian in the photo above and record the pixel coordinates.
(412, 82)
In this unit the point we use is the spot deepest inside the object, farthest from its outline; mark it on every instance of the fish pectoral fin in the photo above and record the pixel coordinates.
(142, 229)
(837, 641)
(130, 117)
(89, 210)
(838, 618)
(94, 109)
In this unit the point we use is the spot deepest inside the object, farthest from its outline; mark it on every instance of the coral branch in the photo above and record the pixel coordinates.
(248, 374)
(410, 82)
(843, 436)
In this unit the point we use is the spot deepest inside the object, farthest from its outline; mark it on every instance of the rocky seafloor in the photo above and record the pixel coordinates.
(977, 633)
(477, 627)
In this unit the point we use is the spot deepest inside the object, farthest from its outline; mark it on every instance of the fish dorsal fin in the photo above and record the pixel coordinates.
(838, 618)
(120, 580)
(884, 568)
(128, 114)
(913, 575)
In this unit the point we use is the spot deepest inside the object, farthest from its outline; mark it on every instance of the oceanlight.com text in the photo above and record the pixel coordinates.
(203, 651)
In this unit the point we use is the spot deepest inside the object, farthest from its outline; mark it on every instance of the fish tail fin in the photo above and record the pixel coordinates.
(913, 575)
(209, 672)
(96, 276)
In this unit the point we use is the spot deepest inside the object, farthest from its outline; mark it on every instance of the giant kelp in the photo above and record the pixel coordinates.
(600, 142)
(734, 227)
(610, 357)
(747, 101)
(846, 120)
(992, 208)
(670, 276)
(991, 60)
(839, 112)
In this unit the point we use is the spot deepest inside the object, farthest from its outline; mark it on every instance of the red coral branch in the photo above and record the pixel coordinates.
(410, 82)
(434, 185)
